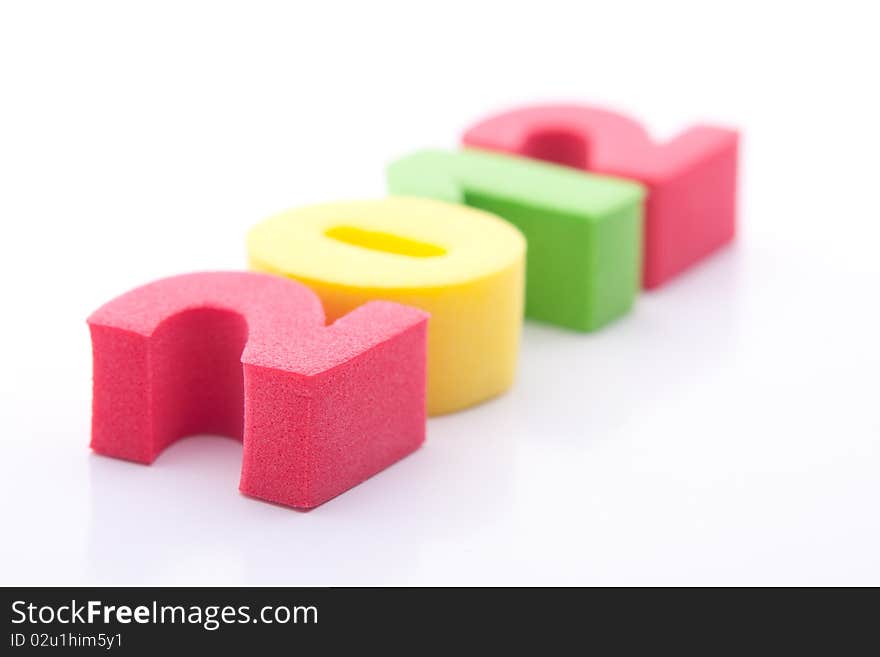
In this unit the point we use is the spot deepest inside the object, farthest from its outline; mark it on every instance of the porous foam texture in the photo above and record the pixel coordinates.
(691, 204)
(318, 408)
(583, 231)
(463, 266)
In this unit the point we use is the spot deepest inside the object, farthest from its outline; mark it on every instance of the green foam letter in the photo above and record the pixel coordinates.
(584, 231)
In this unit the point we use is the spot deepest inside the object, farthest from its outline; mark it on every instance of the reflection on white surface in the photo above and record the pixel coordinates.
(702, 439)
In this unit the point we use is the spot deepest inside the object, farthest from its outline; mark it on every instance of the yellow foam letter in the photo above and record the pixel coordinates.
(464, 266)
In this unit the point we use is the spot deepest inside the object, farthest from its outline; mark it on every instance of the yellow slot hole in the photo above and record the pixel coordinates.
(376, 241)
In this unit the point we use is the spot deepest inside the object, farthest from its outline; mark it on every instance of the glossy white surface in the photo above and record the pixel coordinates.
(726, 432)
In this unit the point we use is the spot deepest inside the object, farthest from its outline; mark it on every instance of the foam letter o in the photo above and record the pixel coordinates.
(463, 266)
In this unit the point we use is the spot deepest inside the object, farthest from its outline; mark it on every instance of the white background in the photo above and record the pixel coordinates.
(726, 432)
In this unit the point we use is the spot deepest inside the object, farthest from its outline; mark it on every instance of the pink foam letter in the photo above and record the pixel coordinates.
(318, 408)
(691, 205)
